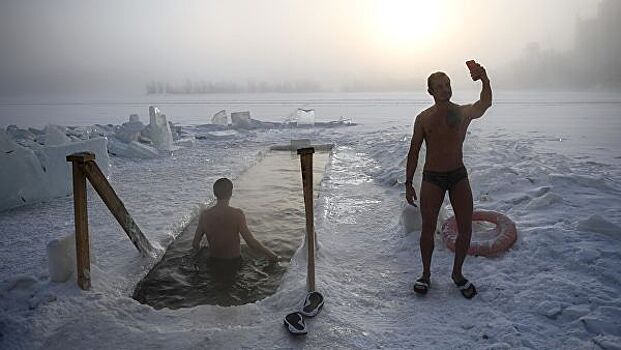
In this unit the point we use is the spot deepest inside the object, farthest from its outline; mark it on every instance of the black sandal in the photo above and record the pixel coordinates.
(421, 286)
(294, 322)
(466, 288)
(313, 302)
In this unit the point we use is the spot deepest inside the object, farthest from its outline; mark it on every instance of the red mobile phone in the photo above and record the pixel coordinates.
(471, 65)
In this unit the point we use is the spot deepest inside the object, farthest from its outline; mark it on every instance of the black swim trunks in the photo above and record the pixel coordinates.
(445, 179)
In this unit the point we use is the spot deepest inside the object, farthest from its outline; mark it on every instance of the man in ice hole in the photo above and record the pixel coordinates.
(222, 225)
(443, 127)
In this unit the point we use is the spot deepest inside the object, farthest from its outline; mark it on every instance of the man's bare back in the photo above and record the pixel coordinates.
(222, 225)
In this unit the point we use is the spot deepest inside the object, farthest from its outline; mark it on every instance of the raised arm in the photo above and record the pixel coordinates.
(252, 242)
(477, 109)
(412, 161)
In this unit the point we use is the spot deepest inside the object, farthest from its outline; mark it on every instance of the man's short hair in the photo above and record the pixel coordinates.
(223, 188)
(433, 77)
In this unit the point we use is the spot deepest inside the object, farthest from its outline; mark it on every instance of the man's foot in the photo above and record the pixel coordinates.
(466, 288)
(421, 286)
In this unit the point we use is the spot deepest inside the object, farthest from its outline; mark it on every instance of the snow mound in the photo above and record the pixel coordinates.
(545, 201)
(132, 150)
(411, 219)
(220, 118)
(241, 120)
(56, 135)
(596, 223)
(607, 320)
(33, 176)
(61, 258)
(22, 180)
(159, 130)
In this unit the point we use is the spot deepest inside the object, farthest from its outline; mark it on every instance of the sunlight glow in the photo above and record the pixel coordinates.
(406, 23)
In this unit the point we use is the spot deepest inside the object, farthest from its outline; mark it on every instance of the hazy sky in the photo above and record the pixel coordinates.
(123, 44)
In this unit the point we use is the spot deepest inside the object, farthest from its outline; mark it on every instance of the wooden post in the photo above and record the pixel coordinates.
(306, 161)
(81, 218)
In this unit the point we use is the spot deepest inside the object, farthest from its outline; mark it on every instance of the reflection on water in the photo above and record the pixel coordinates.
(270, 194)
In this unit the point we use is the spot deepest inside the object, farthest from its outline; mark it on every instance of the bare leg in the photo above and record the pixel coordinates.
(431, 198)
(461, 200)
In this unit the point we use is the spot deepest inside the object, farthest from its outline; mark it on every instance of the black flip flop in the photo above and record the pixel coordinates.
(313, 302)
(295, 323)
(466, 288)
(421, 286)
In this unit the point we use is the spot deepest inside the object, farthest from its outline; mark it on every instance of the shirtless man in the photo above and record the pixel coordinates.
(222, 224)
(443, 127)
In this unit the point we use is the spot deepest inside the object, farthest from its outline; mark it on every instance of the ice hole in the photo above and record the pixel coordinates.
(270, 193)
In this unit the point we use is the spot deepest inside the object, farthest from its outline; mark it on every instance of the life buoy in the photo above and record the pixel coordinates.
(504, 236)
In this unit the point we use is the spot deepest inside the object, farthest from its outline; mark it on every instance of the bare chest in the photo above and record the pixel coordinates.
(445, 128)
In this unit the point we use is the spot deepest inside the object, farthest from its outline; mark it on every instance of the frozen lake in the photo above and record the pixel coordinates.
(585, 123)
(548, 160)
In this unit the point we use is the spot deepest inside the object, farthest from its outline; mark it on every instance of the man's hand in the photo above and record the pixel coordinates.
(478, 72)
(410, 193)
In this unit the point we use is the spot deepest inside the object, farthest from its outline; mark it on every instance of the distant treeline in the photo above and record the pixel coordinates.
(595, 61)
(207, 87)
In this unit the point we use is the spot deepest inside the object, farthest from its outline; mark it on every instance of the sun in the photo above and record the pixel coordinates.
(403, 23)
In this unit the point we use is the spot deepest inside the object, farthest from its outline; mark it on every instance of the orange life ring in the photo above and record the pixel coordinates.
(504, 236)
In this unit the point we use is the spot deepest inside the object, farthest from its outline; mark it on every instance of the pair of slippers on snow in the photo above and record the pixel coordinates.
(294, 322)
(467, 289)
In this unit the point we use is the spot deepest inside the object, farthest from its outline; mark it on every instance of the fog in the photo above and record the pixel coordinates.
(290, 45)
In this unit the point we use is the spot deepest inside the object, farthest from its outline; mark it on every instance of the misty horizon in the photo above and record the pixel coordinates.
(281, 46)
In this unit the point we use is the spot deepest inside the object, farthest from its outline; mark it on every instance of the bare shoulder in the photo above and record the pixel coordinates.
(240, 218)
(427, 112)
(469, 111)
(238, 213)
(463, 108)
(206, 212)
(424, 115)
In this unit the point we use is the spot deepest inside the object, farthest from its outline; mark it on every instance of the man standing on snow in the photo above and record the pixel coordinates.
(443, 127)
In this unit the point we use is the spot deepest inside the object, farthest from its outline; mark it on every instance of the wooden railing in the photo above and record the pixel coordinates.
(306, 162)
(84, 167)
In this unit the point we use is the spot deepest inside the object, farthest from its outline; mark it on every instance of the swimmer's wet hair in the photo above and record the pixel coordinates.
(223, 188)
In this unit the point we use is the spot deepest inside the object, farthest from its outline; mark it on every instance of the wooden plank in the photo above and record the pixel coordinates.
(306, 162)
(81, 226)
(319, 148)
(114, 203)
(81, 157)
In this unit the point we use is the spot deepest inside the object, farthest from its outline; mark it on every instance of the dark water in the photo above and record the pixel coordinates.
(270, 193)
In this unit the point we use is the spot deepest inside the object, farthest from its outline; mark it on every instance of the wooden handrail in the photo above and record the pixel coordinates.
(85, 167)
(306, 162)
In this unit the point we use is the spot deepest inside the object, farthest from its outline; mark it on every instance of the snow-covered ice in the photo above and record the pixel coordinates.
(159, 130)
(550, 165)
(30, 176)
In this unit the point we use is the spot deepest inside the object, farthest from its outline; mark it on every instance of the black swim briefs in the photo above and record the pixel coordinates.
(445, 179)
